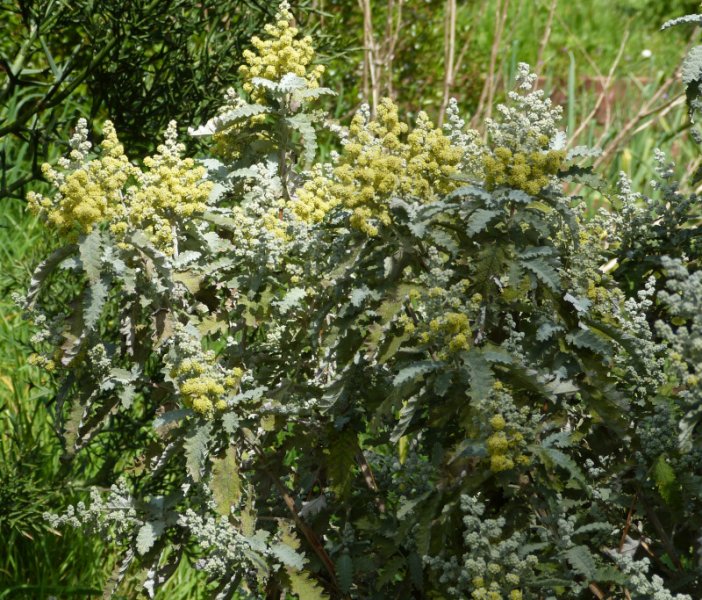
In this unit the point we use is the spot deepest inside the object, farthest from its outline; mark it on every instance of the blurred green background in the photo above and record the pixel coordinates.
(144, 63)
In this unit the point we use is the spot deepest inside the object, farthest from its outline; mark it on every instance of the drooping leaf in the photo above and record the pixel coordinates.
(90, 249)
(342, 461)
(344, 572)
(407, 412)
(170, 417)
(45, 268)
(223, 121)
(553, 456)
(587, 338)
(687, 19)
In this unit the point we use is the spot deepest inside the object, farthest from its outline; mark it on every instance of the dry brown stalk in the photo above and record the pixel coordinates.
(487, 96)
(449, 55)
(379, 54)
(603, 94)
(546, 37)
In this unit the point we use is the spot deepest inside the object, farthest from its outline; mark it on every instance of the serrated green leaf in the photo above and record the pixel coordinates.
(192, 281)
(71, 427)
(553, 456)
(593, 527)
(90, 250)
(230, 423)
(547, 330)
(304, 587)
(544, 272)
(341, 462)
(95, 298)
(173, 416)
(582, 561)
(127, 395)
(314, 93)
(480, 374)
(416, 570)
(196, 449)
(225, 482)
(479, 220)
(587, 338)
(666, 480)
(407, 412)
(390, 569)
(302, 124)
(692, 66)
(248, 516)
(292, 299)
(288, 556)
(222, 122)
(148, 534)
(416, 371)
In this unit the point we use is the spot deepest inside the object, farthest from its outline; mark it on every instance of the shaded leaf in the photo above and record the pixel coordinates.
(344, 572)
(582, 561)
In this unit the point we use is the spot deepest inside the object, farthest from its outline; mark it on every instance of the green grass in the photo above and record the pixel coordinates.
(35, 561)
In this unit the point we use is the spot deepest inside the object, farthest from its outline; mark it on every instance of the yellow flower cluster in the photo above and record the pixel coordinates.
(376, 164)
(492, 592)
(203, 387)
(313, 199)
(282, 53)
(529, 171)
(90, 194)
(94, 192)
(171, 190)
(454, 327)
(502, 446)
(38, 360)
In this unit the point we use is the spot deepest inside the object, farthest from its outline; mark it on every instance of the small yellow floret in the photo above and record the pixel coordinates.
(498, 422)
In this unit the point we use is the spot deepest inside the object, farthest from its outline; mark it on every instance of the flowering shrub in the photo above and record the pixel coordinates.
(407, 373)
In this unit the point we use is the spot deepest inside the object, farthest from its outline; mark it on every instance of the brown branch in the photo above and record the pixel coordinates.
(667, 543)
(594, 588)
(629, 515)
(370, 479)
(488, 92)
(309, 533)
